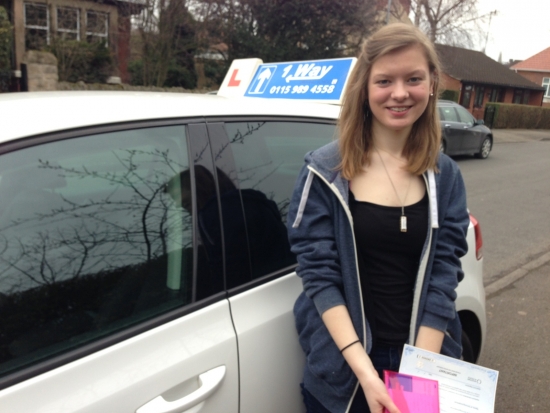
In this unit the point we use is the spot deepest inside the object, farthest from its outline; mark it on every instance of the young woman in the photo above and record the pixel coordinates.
(378, 222)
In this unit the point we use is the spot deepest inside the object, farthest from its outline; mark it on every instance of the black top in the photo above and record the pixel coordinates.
(388, 264)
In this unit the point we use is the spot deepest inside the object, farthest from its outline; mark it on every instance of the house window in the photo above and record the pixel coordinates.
(68, 23)
(526, 95)
(466, 96)
(518, 96)
(478, 101)
(493, 95)
(37, 26)
(546, 85)
(97, 26)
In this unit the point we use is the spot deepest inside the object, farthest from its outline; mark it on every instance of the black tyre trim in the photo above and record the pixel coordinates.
(467, 348)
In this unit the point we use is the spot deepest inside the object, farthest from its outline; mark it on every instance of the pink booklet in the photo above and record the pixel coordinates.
(412, 394)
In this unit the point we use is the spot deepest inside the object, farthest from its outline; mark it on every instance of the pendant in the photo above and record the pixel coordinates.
(403, 223)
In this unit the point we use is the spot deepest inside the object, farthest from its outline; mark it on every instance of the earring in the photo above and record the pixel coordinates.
(431, 94)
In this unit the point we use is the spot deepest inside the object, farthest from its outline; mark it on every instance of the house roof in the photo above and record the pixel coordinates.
(475, 67)
(539, 62)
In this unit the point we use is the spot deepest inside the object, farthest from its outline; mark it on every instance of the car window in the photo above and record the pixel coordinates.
(448, 113)
(465, 116)
(268, 157)
(95, 236)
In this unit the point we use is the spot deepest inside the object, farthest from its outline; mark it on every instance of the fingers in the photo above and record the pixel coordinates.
(378, 398)
(391, 407)
(384, 402)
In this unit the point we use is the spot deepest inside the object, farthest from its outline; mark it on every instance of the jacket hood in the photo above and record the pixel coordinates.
(326, 161)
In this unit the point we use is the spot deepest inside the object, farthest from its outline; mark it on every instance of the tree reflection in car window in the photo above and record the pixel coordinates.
(268, 157)
(90, 243)
(255, 240)
(211, 248)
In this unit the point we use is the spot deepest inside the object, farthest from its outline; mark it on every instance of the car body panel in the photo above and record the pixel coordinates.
(80, 109)
(166, 360)
(453, 134)
(473, 133)
(264, 322)
(473, 139)
(470, 291)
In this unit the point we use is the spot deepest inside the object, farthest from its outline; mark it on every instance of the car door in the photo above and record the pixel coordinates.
(452, 129)
(262, 158)
(111, 298)
(473, 136)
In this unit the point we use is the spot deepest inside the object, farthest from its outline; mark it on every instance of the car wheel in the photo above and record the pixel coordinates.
(443, 146)
(485, 148)
(467, 348)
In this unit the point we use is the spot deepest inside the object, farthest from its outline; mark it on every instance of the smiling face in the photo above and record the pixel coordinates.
(399, 89)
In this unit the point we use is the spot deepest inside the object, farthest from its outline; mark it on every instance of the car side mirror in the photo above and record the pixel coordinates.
(480, 122)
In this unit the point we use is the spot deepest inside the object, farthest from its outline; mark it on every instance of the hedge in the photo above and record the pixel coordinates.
(513, 116)
(448, 94)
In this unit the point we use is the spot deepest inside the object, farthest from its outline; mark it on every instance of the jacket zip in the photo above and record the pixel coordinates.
(421, 274)
(350, 218)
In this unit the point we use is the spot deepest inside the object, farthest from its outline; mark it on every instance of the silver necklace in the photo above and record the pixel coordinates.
(403, 222)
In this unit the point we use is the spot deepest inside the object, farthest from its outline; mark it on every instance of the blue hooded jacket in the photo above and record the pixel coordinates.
(321, 235)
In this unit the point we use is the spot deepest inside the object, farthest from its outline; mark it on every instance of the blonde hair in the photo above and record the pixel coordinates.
(355, 140)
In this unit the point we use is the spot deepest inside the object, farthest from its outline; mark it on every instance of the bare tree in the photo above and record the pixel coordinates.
(163, 27)
(76, 239)
(281, 30)
(453, 22)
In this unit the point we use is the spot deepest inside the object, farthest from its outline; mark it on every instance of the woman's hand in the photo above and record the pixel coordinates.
(377, 395)
(341, 329)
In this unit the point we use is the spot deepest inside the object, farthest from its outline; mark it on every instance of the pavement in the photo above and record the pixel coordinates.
(518, 343)
(520, 135)
(517, 274)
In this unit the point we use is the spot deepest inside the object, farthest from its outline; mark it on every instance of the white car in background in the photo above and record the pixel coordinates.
(144, 265)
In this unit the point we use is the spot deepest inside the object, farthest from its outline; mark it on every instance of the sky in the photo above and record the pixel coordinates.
(520, 29)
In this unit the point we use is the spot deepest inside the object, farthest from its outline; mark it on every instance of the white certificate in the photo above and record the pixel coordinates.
(463, 387)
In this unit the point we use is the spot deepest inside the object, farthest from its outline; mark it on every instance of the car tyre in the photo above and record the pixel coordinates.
(467, 348)
(485, 148)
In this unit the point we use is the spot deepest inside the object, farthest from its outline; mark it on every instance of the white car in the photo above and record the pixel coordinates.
(133, 282)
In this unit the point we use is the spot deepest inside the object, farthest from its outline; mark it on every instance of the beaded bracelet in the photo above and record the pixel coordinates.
(349, 345)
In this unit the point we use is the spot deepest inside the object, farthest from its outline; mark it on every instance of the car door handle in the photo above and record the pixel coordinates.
(447, 126)
(208, 384)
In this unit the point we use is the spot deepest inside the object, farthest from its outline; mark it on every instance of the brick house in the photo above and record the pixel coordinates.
(480, 79)
(537, 70)
(35, 22)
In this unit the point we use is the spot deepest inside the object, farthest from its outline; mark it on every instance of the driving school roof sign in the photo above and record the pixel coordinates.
(315, 80)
